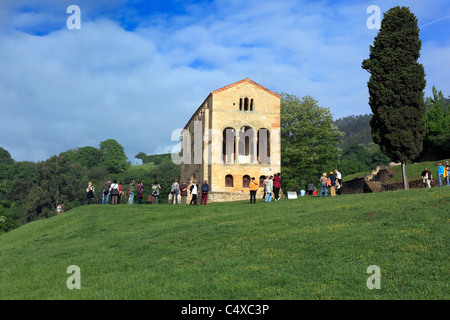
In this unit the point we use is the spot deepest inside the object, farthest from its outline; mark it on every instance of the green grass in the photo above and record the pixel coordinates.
(308, 248)
(414, 171)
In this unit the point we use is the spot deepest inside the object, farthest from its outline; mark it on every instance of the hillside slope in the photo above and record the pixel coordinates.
(308, 248)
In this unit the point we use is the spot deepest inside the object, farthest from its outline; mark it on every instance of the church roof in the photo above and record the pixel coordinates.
(248, 81)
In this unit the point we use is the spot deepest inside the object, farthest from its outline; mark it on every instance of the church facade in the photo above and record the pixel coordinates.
(233, 136)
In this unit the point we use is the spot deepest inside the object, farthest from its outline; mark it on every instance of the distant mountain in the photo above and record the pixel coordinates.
(356, 129)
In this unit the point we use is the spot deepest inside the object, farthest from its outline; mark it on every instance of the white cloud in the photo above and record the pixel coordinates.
(73, 88)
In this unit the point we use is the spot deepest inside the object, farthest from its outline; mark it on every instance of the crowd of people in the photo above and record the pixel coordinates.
(442, 173)
(331, 183)
(114, 193)
(271, 186)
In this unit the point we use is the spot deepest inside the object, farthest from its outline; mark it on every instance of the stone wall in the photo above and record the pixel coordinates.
(237, 143)
(376, 181)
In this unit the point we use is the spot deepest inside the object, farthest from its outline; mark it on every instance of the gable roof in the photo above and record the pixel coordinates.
(246, 80)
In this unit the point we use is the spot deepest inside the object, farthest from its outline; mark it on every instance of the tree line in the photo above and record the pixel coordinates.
(30, 191)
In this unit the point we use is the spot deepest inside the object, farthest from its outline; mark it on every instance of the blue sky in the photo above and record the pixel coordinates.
(137, 70)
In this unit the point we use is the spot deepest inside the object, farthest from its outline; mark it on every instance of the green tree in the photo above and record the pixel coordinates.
(358, 158)
(308, 141)
(88, 157)
(113, 156)
(396, 88)
(437, 119)
(57, 181)
(5, 157)
(142, 156)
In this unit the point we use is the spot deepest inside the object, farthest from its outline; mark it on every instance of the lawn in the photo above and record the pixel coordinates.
(414, 171)
(307, 248)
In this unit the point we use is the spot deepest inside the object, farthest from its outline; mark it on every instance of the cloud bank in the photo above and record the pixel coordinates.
(135, 73)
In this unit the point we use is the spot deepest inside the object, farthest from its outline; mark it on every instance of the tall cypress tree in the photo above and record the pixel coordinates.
(396, 88)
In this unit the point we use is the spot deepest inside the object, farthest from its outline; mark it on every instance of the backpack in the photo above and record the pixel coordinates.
(106, 188)
(205, 188)
(154, 189)
(328, 182)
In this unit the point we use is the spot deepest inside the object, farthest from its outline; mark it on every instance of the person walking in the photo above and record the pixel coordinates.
(140, 191)
(323, 185)
(269, 189)
(155, 192)
(447, 172)
(120, 193)
(114, 192)
(440, 172)
(193, 189)
(253, 189)
(277, 186)
(264, 186)
(339, 181)
(90, 192)
(174, 191)
(205, 190)
(131, 192)
(183, 192)
(333, 184)
(106, 187)
(426, 178)
(310, 188)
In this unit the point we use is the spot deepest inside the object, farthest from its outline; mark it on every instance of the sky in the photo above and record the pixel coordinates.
(135, 71)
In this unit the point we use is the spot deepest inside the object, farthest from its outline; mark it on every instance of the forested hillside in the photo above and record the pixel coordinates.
(30, 191)
(356, 129)
(358, 153)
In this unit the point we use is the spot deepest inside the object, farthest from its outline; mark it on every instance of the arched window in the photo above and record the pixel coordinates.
(261, 181)
(228, 145)
(247, 145)
(263, 146)
(229, 181)
(246, 104)
(246, 181)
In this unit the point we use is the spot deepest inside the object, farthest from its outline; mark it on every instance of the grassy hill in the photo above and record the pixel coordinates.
(308, 248)
(414, 171)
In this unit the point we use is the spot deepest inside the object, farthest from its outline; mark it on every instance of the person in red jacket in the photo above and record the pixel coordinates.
(277, 186)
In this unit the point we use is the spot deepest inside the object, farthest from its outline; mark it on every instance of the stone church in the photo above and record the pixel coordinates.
(233, 136)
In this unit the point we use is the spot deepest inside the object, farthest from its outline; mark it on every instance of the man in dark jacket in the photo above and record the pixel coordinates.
(205, 189)
(333, 184)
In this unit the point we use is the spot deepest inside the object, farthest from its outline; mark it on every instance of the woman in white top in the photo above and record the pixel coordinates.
(194, 189)
(114, 192)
